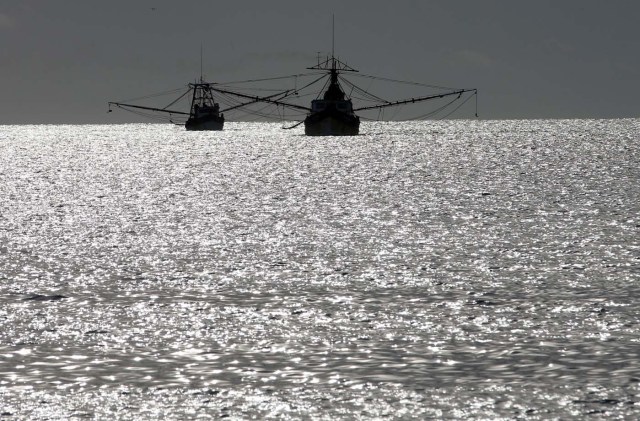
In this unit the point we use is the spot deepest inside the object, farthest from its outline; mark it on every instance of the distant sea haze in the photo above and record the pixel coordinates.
(420, 270)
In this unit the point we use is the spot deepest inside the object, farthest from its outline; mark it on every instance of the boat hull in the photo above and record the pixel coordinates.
(208, 123)
(321, 124)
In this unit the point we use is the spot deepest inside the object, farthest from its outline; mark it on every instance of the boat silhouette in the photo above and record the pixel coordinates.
(204, 112)
(333, 115)
(332, 112)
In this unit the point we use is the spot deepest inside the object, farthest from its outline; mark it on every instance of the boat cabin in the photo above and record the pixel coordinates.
(318, 105)
(205, 110)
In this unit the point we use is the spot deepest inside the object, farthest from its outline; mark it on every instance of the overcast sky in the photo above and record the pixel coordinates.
(61, 61)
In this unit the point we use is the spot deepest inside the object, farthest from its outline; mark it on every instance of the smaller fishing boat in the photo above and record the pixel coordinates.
(204, 113)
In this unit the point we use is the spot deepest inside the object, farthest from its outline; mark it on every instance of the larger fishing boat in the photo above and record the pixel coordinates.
(332, 112)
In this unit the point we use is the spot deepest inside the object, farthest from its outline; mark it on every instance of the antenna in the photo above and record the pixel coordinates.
(333, 35)
(201, 79)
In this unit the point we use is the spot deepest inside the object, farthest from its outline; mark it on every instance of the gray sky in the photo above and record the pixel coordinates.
(61, 61)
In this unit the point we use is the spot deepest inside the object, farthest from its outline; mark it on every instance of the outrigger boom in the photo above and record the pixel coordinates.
(164, 110)
(419, 99)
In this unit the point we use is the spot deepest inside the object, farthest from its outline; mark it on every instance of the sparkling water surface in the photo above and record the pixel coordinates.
(447, 270)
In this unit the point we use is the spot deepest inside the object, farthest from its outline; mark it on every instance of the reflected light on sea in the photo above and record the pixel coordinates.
(458, 269)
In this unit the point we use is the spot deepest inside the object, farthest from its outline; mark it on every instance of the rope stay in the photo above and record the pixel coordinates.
(262, 99)
(294, 126)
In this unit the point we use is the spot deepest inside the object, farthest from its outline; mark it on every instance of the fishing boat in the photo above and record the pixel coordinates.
(333, 113)
(204, 112)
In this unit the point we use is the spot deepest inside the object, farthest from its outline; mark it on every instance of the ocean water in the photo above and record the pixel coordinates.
(421, 270)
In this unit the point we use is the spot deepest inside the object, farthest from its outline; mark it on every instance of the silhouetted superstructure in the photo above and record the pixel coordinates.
(205, 112)
(333, 114)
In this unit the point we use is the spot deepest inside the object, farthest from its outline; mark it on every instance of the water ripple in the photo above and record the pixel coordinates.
(420, 270)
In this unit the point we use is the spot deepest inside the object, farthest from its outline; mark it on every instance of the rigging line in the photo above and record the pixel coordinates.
(294, 126)
(476, 103)
(241, 107)
(367, 118)
(395, 114)
(323, 88)
(311, 83)
(259, 112)
(258, 116)
(433, 112)
(403, 81)
(436, 111)
(351, 86)
(178, 99)
(367, 100)
(296, 91)
(456, 109)
(298, 95)
(284, 95)
(224, 100)
(252, 89)
(154, 95)
(149, 116)
(231, 101)
(362, 91)
(364, 97)
(269, 78)
(271, 101)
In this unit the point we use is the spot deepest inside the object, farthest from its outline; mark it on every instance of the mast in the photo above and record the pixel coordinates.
(334, 73)
(193, 101)
(333, 35)
(333, 67)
